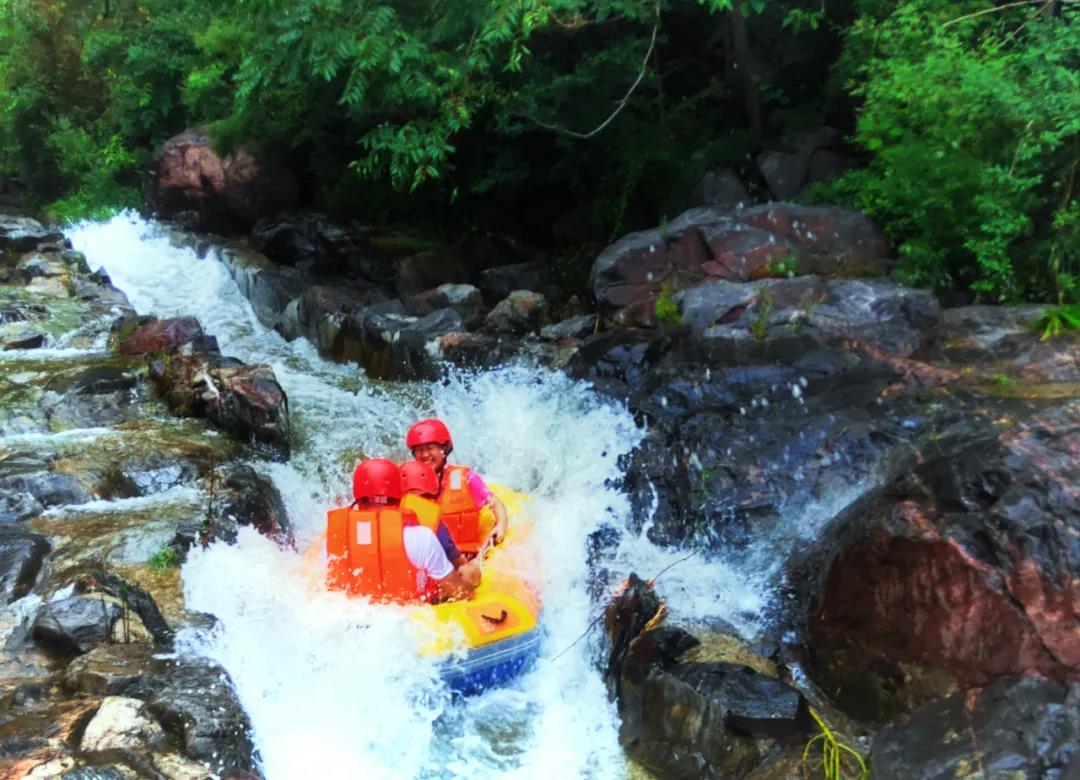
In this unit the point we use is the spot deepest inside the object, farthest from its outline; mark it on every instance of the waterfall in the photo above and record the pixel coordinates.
(334, 687)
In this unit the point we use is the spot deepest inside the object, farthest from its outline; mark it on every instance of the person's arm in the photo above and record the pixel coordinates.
(461, 583)
(451, 549)
(482, 496)
(502, 522)
(424, 552)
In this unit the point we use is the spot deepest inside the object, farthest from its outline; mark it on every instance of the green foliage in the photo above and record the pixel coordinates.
(971, 124)
(759, 328)
(1057, 320)
(667, 309)
(782, 267)
(165, 559)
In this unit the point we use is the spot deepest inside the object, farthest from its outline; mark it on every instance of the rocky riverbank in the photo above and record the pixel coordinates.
(911, 468)
(905, 474)
(102, 490)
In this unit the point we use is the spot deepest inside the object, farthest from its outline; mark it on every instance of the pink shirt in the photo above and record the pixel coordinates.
(481, 493)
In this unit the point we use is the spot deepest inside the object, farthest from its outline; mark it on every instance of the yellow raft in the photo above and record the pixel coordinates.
(494, 636)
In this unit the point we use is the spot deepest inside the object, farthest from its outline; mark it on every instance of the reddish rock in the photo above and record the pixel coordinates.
(245, 401)
(226, 193)
(161, 336)
(974, 571)
(706, 244)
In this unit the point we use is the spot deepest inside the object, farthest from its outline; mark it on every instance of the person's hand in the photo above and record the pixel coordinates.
(498, 533)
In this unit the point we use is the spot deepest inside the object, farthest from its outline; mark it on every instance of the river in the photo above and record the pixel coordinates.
(334, 687)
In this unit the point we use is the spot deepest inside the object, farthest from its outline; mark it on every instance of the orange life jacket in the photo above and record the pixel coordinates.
(365, 549)
(427, 511)
(459, 511)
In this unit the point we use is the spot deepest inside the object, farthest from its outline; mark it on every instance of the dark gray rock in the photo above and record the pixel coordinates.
(1013, 728)
(21, 556)
(720, 188)
(522, 311)
(574, 328)
(76, 624)
(47, 488)
(26, 340)
(17, 505)
(22, 234)
(499, 282)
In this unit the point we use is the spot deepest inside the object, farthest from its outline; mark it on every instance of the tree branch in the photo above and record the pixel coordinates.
(995, 9)
(618, 106)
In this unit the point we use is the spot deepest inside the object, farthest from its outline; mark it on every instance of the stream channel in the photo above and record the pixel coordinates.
(334, 687)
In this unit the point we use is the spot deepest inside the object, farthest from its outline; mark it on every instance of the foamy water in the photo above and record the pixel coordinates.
(335, 687)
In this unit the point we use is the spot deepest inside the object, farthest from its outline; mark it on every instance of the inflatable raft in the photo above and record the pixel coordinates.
(493, 637)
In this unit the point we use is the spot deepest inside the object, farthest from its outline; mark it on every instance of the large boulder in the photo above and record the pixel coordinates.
(226, 193)
(313, 242)
(121, 724)
(967, 566)
(76, 624)
(245, 401)
(23, 234)
(629, 276)
(690, 708)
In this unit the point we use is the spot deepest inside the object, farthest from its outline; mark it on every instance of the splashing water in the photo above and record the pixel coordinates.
(334, 687)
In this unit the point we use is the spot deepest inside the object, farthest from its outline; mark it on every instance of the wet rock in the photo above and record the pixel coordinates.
(22, 234)
(21, 556)
(121, 724)
(16, 506)
(227, 193)
(111, 669)
(522, 311)
(967, 565)
(893, 318)
(47, 488)
(168, 335)
(685, 711)
(76, 624)
(392, 345)
(801, 161)
(196, 698)
(132, 598)
(465, 299)
(25, 340)
(574, 328)
(321, 310)
(245, 401)
(1013, 728)
(191, 697)
(249, 499)
(94, 380)
(713, 243)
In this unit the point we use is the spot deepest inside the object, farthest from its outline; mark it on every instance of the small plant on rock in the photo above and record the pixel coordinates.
(165, 559)
(837, 760)
(782, 267)
(759, 328)
(667, 308)
(1058, 319)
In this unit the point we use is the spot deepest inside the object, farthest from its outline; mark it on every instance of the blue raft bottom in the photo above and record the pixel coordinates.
(491, 665)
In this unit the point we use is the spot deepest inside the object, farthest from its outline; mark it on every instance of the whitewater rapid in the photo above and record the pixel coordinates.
(334, 687)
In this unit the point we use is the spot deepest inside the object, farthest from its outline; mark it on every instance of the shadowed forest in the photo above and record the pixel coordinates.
(956, 125)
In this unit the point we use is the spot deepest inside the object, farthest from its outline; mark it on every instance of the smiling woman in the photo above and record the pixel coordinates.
(462, 496)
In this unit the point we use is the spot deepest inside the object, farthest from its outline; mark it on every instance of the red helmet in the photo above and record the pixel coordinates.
(427, 431)
(376, 478)
(419, 476)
